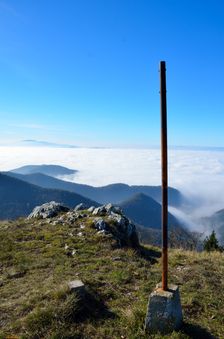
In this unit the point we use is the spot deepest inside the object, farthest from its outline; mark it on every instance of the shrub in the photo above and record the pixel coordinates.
(211, 243)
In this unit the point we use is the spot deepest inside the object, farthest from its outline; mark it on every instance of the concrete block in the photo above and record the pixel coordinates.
(164, 313)
(76, 286)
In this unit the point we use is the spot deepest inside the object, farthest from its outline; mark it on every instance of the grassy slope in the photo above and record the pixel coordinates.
(35, 303)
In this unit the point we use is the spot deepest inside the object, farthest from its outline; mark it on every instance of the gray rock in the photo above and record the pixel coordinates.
(61, 220)
(101, 232)
(15, 274)
(80, 207)
(119, 219)
(100, 225)
(48, 210)
(56, 222)
(124, 231)
(91, 209)
(107, 209)
(112, 209)
(100, 210)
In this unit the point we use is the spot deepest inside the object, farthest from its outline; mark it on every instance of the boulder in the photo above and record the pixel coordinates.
(124, 231)
(80, 207)
(100, 225)
(91, 209)
(107, 210)
(48, 210)
(100, 210)
(112, 209)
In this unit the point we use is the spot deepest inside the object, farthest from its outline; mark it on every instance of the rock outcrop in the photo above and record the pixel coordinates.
(116, 224)
(106, 219)
(48, 210)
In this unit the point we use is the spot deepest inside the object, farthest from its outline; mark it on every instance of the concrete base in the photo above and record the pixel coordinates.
(164, 313)
(77, 286)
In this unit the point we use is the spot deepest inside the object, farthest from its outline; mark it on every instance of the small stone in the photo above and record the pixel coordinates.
(116, 258)
(15, 275)
(101, 232)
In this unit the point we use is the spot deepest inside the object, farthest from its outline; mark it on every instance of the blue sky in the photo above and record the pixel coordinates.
(85, 72)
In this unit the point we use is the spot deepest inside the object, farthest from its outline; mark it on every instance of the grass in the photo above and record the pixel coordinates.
(36, 263)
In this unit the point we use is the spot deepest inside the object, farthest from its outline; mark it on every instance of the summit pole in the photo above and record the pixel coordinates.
(164, 312)
(163, 108)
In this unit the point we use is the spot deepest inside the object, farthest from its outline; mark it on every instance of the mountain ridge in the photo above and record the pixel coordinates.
(18, 198)
(114, 193)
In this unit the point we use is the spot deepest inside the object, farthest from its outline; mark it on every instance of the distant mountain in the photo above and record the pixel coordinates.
(18, 198)
(51, 170)
(40, 143)
(145, 211)
(114, 193)
(215, 222)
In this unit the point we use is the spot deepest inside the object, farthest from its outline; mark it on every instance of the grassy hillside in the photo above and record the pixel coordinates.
(36, 263)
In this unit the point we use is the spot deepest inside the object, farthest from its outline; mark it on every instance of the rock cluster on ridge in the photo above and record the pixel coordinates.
(106, 220)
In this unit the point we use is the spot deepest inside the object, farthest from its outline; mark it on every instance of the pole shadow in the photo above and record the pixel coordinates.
(196, 332)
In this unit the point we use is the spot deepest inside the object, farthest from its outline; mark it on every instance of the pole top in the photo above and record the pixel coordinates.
(162, 65)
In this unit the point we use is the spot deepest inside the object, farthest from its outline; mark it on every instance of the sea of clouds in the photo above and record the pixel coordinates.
(198, 174)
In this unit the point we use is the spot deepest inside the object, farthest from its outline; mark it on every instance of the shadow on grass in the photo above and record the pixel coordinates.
(150, 254)
(92, 307)
(196, 332)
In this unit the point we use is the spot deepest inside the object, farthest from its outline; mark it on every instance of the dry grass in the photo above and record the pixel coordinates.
(35, 302)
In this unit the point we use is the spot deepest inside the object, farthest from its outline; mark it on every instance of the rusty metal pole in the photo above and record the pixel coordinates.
(163, 107)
